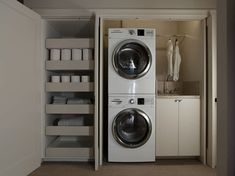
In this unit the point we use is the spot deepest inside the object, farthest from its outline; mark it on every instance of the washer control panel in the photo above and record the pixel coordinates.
(132, 101)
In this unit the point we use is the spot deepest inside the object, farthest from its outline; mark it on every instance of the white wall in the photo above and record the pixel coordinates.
(191, 50)
(87, 4)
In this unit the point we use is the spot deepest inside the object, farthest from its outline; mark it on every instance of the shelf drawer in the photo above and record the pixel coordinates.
(69, 152)
(69, 130)
(69, 87)
(78, 148)
(70, 43)
(69, 109)
(70, 65)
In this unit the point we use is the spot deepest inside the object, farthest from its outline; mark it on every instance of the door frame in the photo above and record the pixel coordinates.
(212, 90)
(161, 14)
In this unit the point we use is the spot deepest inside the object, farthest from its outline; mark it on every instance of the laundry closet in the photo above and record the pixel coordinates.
(180, 121)
(54, 88)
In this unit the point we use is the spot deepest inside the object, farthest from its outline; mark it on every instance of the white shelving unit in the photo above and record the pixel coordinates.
(69, 143)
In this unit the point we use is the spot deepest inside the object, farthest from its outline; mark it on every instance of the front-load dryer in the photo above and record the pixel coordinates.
(131, 128)
(131, 61)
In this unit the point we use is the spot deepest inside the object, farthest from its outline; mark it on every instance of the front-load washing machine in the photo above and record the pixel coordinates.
(131, 61)
(131, 128)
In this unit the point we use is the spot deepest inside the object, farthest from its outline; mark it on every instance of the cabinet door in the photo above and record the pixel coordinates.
(167, 127)
(189, 127)
(19, 89)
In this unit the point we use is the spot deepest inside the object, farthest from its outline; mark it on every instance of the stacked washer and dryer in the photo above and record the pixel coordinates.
(131, 95)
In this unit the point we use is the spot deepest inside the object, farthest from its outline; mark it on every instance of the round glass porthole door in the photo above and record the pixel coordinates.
(132, 59)
(132, 128)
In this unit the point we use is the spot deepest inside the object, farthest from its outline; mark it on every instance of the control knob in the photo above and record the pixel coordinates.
(132, 101)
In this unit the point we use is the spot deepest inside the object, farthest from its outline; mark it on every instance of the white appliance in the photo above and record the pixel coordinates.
(131, 61)
(131, 128)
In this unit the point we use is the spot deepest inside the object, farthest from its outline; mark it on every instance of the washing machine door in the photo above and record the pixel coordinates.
(131, 128)
(132, 59)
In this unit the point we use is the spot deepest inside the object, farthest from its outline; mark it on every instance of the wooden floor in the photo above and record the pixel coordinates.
(114, 169)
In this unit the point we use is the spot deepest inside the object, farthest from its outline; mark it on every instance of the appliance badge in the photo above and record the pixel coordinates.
(117, 31)
(132, 32)
(149, 32)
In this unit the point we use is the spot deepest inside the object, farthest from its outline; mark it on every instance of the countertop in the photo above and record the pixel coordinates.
(178, 96)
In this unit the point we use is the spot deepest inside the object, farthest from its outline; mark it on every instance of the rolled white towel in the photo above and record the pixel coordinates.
(66, 54)
(75, 78)
(54, 54)
(85, 78)
(76, 54)
(65, 78)
(55, 79)
(87, 54)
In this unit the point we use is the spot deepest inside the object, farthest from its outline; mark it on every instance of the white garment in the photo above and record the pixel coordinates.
(170, 58)
(177, 61)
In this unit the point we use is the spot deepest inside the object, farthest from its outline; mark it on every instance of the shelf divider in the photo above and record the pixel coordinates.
(70, 65)
(69, 43)
(69, 109)
(69, 130)
(70, 87)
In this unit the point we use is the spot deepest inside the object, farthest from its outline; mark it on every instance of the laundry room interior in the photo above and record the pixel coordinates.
(112, 91)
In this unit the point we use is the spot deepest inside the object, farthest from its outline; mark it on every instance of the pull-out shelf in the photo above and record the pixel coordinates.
(69, 109)
(70, 87)
(69, 130)
(69, 43)
(78, 148)
(69, 65)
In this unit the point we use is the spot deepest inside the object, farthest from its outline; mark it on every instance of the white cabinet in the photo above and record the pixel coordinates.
(189, 127)
(178, 126)
(167, 127)
(27, 131)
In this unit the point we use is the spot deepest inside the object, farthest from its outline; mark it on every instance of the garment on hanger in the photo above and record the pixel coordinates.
(177, 61)
(169, 54)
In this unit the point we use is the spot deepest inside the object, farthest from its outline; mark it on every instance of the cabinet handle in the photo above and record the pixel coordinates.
(178, 100)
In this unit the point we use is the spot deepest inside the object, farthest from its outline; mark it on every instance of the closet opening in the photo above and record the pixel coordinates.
(191, 38)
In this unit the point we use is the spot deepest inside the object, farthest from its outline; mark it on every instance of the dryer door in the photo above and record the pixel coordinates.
(132, 128)
(132, 59)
